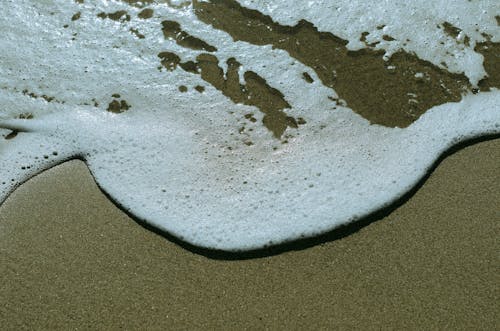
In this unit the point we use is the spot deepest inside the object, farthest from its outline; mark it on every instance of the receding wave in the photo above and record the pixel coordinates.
(236, 125)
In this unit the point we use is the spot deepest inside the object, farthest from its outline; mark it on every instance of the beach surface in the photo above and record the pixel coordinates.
(70, 259)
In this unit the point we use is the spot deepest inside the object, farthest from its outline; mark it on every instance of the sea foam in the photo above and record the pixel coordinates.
(181, 161)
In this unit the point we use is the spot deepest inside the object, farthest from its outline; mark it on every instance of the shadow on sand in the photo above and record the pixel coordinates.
(304, 243)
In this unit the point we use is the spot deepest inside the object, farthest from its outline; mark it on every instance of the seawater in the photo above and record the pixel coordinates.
(236, 125)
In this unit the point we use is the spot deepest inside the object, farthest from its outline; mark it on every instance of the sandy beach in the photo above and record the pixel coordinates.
(70, 259)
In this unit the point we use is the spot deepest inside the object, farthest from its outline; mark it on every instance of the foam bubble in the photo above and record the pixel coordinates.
(197, 164)
(419, 26)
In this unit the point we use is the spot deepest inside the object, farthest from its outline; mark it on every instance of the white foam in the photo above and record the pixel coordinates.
(167, 160)
(416, 26)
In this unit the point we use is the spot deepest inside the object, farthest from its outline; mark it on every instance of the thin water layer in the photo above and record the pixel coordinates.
(391, 93)
(172, 29)
(255, 92)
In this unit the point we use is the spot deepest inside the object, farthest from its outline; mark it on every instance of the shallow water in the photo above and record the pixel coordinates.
(237, 125)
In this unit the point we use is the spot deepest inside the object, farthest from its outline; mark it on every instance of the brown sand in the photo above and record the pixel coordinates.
(69, 259)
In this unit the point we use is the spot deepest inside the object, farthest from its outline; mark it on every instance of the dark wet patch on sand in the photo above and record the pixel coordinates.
(391, 93)
(118, 106)
(171, 60)
(76, 16)
(255, 92)
(142, 3)
(146, 13)
(139, 2)
(136, 33)
(12, 134)
(43, 96)
(173, 30)
(26, 116)
(491, 53)
(119, 16)
(451, 30)
(454, 32)
(307, 78)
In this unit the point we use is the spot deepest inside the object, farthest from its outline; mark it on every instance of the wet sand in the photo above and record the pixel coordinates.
(70, 259)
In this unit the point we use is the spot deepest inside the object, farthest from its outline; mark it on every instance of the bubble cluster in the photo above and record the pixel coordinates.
(180, 149)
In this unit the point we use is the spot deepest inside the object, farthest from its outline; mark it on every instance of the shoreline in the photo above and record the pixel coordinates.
(71, 258)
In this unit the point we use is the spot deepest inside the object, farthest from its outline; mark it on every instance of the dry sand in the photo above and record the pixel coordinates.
(70, 259)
